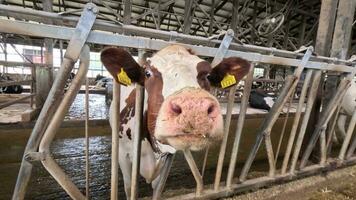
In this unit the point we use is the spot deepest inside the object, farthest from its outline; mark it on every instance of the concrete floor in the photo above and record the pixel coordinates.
(336, 185)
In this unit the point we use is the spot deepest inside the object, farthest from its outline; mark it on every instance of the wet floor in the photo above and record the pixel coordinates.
(97, 107)
(68, 150)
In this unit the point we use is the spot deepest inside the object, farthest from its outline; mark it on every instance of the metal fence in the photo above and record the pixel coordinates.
(293, 165)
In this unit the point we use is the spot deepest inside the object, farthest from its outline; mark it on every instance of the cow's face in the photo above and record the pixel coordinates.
(181, 112)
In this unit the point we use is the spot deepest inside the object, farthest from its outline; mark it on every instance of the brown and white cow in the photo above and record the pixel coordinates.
(180, 113)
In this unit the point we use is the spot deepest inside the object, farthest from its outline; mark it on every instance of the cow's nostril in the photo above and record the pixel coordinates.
(176, 108)
(211, 109)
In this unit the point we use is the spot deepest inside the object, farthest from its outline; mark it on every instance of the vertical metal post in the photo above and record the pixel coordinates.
(230, 104)
(193, 167)
(325, 117)
(296, 121)
(115, 141)
(310, 102)
(347, 139)
(136, 137)
(220, 54)
(188, 16)
(87, 140)
(240, 124)
(271, 118)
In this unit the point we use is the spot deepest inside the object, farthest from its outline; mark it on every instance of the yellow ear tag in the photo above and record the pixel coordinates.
(123, 78)
(227, 81)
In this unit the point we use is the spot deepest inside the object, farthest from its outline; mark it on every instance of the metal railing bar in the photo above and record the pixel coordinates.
(310, 102)
(87, 139)
(115, 124)
(223, 144)
(240, 124)
(52, 101)
(10, 83)
(265, 181)
(325, 117)
(48, 162)
(348, 136)
(195, 171)
(97, 37)
(42, 16)
(272, 116)
(136, 150)
(220, 54)
(296, 121)
(9, 103)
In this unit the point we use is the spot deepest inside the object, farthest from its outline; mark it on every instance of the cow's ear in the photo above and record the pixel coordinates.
(122, 66)
(229, 72)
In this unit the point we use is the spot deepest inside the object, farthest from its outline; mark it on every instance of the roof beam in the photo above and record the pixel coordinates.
(188, 17)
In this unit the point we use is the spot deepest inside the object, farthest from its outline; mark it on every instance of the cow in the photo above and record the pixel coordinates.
(179, 111)
(348, 106)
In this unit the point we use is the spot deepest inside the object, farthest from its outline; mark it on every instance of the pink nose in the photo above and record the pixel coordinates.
(186, 105)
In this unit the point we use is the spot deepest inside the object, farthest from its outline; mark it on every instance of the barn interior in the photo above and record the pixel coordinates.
(31, 60)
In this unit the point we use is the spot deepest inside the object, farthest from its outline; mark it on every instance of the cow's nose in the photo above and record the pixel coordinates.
(188, 105)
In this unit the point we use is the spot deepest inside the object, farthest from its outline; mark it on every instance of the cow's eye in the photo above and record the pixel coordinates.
(148, 73)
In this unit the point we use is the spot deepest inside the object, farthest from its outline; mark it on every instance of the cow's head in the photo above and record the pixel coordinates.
(181, 111)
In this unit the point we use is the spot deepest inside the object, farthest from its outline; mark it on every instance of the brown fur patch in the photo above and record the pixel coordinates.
(235, 66)
(203, 69)
(116, 58)
(154, 87)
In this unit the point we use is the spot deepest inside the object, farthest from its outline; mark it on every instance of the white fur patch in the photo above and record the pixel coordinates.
(269, 101)
(178, 68)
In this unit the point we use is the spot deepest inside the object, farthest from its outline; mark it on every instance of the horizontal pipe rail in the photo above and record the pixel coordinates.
(99, 37)
(265, 181)
(9, 103)
(21, 64)
(42, 16)
(10, 83)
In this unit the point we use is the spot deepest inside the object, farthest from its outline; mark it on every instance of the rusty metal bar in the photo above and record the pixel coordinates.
(240, 123)
(271, 118)
(115, 124)
(347, 139)
(296, 121)
(77, 40)
(48, 162)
